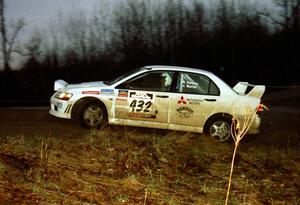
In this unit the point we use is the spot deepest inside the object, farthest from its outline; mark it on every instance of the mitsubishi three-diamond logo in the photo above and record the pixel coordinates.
(181, 101)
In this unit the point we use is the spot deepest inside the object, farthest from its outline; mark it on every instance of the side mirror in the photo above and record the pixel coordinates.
(126, 85)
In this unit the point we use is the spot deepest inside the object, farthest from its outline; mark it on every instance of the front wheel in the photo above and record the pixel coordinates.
(92, 115)
(220, 129)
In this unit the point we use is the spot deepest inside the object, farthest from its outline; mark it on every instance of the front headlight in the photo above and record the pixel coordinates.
(63, 95)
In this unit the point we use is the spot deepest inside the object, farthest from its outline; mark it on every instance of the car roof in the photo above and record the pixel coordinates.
(176, 68)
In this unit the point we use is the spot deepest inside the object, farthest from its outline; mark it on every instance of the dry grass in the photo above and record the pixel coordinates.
(238, 131)
(143, 166)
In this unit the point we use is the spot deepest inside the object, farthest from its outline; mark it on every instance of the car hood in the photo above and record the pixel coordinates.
(85, 85)
(63, 85)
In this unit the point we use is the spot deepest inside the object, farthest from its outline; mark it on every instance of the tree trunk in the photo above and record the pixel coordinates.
(4, 37)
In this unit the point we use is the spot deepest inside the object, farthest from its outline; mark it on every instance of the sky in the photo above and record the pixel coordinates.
(38, 14)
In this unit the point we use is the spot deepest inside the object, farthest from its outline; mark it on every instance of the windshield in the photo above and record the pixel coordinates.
(113, 81)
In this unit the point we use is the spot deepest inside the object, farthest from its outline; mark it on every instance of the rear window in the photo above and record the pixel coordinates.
(193, 83)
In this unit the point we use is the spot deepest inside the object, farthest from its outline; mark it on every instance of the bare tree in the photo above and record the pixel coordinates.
(130, 31)
(290, 32)
(99, 32)
(289, 14)
(33, 51)
(3, 36)
(288, 17)
(8, 41)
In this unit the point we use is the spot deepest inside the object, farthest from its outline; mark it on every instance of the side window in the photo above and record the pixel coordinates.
(196, 84)
(154, 81)
(213, 89)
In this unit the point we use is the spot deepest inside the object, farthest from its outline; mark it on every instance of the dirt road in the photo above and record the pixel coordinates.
(281, 125)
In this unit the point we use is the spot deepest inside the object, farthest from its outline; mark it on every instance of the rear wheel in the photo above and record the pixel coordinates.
(220, 129)
(92, 115)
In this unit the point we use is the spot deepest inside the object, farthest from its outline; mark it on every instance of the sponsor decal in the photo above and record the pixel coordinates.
(191, 85)
(141, 115)
(141, 95)
(194, 101)
(185, 112)
(107, 91)
(68, 108)
(91, 92)
(182, 100)
(123, 93)
(140, 102)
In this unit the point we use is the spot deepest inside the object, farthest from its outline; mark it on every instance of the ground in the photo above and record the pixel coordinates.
(45, 160)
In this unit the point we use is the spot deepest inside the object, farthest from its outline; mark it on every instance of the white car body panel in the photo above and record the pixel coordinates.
(165, 110)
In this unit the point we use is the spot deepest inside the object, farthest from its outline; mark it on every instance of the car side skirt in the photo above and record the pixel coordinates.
(115, 121)
(254, 128)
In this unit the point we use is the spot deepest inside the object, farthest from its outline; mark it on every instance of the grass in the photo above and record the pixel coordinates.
(143, 166)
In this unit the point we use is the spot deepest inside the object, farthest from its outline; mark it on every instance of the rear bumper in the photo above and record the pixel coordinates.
(255, 127)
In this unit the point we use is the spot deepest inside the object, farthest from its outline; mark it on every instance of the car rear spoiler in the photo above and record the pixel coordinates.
(255, 91)
(59, 84)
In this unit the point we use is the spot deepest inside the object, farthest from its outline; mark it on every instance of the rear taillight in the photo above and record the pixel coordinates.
(260, 108)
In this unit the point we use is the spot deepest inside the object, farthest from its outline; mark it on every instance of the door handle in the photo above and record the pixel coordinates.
(162, 96)
(210, 100)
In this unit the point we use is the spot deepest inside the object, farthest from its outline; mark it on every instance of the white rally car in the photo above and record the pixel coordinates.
(166, 97)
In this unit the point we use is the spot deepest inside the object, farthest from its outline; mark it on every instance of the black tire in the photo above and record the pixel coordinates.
(220, 129)
(92, 115)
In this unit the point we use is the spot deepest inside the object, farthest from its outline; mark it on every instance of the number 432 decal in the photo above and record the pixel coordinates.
(140, 106)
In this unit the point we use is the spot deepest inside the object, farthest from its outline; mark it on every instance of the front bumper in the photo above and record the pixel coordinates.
(60, 108)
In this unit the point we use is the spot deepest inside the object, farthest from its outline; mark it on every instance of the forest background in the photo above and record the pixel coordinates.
(237, 40)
